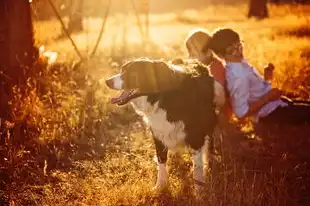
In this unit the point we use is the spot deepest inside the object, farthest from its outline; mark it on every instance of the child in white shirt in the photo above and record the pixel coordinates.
(251, 95)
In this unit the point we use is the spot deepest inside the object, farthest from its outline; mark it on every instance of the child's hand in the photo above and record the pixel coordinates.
(268, 72)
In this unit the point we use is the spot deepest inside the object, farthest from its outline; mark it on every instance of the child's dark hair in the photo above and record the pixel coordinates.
(221, 39)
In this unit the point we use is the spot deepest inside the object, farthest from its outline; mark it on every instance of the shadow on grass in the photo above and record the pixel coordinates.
(302, 31)
(270, 170)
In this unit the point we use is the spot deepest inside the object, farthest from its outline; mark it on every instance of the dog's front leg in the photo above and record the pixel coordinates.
(162, 174)
(200, 165)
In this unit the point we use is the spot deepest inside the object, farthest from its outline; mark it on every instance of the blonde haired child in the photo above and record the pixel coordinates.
(195, 43)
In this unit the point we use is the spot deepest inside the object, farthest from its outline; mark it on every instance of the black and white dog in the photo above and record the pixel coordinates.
(177, 102)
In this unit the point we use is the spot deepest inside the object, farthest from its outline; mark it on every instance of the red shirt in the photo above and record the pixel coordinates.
(218, 71)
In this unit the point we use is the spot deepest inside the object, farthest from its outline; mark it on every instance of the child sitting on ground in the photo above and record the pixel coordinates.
(194, 43)
(251, 95)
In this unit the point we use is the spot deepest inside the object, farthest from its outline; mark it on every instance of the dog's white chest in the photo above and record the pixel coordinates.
(171, 134)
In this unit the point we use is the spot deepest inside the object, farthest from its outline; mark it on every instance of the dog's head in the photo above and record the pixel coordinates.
(141, 77)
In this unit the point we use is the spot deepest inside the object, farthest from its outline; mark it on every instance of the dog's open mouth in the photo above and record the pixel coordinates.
(125, 97)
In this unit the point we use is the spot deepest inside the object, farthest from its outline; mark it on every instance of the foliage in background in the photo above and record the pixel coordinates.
(78, 149)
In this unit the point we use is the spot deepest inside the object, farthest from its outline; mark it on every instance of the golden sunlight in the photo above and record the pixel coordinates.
(92, 90)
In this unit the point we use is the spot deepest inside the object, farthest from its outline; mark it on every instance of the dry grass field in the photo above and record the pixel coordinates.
(81, 150)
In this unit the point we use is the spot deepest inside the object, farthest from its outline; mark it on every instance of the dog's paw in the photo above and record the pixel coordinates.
(199, 191)
(160, 187)
(162, 178)
(161, 184)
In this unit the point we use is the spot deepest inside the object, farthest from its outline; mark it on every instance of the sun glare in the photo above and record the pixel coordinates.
(65, 139)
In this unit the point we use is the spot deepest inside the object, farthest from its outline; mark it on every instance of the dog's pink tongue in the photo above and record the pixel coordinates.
(122, 96)
(114, 100)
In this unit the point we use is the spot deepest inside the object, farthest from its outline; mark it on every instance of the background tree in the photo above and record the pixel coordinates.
(17, 51)
(258, 9)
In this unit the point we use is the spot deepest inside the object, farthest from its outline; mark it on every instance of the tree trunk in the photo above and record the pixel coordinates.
(17, 52)
(19, 38)
(258, 9)
(76, 16)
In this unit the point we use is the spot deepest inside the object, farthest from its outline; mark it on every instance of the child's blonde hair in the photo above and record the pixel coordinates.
(197, 39)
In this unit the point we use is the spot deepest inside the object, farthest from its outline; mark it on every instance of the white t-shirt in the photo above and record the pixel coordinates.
(246, 86)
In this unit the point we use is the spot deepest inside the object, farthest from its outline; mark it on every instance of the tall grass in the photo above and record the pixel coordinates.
(77, 149)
